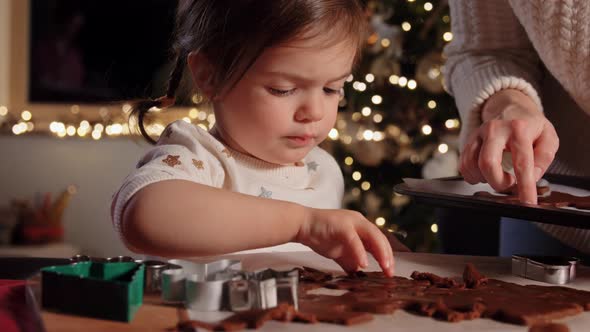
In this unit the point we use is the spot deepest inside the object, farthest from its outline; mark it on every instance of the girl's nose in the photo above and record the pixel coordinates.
(311, 110)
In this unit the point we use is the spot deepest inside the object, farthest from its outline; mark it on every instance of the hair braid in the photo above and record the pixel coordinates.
(142, 107)
(176, 76)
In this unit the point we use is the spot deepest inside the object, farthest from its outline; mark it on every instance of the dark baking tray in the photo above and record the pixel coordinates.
(544, 214)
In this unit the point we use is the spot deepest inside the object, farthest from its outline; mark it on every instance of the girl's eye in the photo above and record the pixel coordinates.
(330, 91)
(280, 93)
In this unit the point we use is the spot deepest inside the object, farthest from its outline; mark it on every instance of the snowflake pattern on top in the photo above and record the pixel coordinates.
(312, 166)
(265, 193)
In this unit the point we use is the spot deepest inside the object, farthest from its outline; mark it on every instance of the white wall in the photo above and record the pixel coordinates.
(30, 164)
(44, 164)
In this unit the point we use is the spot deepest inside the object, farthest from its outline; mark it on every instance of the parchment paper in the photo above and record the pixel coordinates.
(443, 265)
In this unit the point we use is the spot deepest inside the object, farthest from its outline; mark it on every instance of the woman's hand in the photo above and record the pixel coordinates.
(345, 236)
(511, 122)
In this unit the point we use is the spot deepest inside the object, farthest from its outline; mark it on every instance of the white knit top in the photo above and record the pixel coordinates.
(187, 152)
(539, 47)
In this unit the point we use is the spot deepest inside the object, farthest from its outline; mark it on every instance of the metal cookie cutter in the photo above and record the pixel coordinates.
(263, 289)
(85, 258)
(222, 285)
(153, 269)
(551, 269)
(203, 286)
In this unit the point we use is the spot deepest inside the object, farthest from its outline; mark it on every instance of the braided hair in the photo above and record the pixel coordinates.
(142, 107)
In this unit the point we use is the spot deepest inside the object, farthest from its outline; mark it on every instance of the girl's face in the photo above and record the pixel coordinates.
(286, 103)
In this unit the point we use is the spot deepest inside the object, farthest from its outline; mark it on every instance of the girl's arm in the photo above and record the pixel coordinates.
(182, 218)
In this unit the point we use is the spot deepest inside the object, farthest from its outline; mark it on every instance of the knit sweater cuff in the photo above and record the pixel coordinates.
(472, 89)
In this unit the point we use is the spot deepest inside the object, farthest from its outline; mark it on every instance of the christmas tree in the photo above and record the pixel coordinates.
(395, 118)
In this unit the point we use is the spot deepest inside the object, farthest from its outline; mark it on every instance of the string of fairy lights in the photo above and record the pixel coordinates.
(25, 123)
(206, 119)
(114, 121)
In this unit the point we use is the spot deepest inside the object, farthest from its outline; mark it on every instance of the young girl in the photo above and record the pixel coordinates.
(273, 71)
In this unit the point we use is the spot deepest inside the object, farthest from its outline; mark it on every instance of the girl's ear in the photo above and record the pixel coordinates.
(202, 73)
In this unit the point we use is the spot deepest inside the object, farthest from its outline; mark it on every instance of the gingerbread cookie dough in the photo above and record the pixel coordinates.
(554, 199)
(546, 197)
(550, 327)
(449, 299)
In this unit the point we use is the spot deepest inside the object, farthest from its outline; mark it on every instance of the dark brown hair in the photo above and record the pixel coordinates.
(231, 35)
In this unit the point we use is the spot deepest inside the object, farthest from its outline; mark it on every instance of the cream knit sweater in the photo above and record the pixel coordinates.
(187, 152)
(540, 47)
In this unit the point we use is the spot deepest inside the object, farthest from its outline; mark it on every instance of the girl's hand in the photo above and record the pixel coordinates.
(511, 122)
(345, 236)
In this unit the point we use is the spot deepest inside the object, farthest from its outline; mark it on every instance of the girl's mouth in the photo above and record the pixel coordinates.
(300, 140)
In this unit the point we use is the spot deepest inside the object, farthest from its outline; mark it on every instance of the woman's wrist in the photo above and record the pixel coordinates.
(509, 104)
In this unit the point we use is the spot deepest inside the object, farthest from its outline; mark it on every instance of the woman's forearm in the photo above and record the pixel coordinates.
(182, 218)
